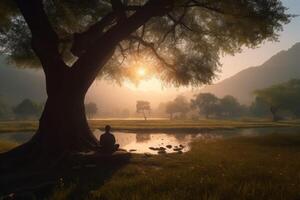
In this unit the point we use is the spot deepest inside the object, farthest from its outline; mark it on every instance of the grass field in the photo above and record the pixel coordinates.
(156, 125)
(256, 167)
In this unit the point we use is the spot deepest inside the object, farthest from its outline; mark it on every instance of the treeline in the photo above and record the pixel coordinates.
(30, 110)
(204, 104)
(27, 109)
(278, 101)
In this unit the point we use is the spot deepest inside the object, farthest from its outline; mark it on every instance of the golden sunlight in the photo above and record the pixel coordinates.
(141, 71)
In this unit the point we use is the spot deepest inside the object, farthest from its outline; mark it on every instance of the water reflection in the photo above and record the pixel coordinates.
(142, 137)
(150, 143)
(159, 142)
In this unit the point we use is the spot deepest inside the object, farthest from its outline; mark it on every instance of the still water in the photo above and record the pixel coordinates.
(155, 143)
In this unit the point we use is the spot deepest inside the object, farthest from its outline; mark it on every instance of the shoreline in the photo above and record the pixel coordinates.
(158, 126)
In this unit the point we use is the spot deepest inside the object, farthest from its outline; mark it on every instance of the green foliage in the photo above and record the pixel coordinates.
(285, 96)
(27, 109)
(198, 33)
(226, 107)
(229, 107)
(178, 105)
(206, 103)
(259, 108)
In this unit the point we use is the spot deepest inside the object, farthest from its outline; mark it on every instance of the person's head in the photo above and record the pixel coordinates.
(107, 128)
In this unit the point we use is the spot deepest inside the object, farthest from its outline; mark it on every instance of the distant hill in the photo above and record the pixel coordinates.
(18, 84)
(282, 67)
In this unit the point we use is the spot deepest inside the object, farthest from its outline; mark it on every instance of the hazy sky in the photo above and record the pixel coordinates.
(108, 95)
(254, 57)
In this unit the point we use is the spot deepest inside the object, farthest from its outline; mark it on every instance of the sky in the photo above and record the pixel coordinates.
(154, 92)
(254, 57)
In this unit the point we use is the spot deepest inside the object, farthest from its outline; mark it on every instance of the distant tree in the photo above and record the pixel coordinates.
(285, 96)
(229, 107)
(178, 105)
(170, 109)
(4, 110)
(27, 109)
(206, 103)
(91, 109)
(259, 108)
(142, 106)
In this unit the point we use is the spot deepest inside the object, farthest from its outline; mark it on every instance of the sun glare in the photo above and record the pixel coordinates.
(141, 71)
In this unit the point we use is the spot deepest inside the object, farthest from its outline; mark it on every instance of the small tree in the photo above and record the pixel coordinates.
(91, 109)
(27, 109)
(142, 106)
(206, 103)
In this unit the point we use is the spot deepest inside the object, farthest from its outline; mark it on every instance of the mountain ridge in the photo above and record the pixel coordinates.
(281, 67)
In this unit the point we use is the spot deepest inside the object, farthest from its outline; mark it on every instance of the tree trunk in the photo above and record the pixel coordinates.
(144, 115)
(63, 129)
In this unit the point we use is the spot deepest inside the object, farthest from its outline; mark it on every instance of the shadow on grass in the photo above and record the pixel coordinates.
(69, 181)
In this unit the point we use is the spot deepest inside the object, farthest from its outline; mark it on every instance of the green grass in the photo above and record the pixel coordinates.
(242, 168)
(253, 167)
(6, 145)
(156, 125)
(264, 167)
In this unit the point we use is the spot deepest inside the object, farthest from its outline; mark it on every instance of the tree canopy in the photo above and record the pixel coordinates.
(178, 105)
(142, 106)
(180, 41)
(284, 96)
(206, 103)
(229, 106)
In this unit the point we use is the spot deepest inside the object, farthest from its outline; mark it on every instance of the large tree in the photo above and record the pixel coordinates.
(284, 96)
(74, 41)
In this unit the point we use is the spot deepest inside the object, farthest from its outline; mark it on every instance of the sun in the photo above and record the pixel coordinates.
(141, 71)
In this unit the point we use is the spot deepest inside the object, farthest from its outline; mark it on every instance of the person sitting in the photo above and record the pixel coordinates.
(108, 141)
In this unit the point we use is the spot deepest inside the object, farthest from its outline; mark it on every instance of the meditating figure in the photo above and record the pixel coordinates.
(108, 141)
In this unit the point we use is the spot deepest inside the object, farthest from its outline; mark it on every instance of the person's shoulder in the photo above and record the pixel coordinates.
(111, 134)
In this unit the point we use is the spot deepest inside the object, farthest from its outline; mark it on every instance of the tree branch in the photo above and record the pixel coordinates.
(81, 41)
(86, 68)
(151, 47)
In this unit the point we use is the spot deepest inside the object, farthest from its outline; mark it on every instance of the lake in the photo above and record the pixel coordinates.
(155, 143)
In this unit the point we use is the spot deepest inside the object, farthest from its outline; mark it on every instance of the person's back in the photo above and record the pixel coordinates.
(108, 141)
